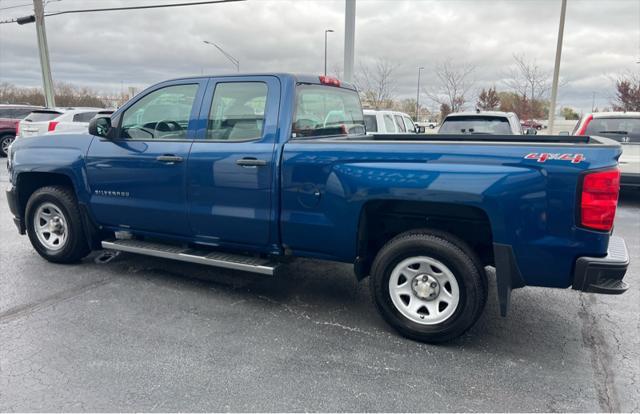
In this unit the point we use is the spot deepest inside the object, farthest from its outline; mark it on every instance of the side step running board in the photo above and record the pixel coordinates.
(216, 259)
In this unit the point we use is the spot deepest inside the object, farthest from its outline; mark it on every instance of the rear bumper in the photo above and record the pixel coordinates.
(603, 274)
(12, 200)
(629, 179)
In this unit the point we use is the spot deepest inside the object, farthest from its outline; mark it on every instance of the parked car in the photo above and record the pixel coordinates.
(482, 122)
(427, 124)
(42, 121)
(238, 172)
(623, 127)
(387, 122)
(532, 123)
(10, 116)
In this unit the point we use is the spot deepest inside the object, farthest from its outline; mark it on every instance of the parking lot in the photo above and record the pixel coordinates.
(144, 334)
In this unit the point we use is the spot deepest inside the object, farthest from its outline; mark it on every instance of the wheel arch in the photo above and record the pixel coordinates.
(382, 220)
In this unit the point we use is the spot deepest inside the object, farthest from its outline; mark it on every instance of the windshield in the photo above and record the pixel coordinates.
(621, 129)
(39, 116)
(326, 110)
(476, 124)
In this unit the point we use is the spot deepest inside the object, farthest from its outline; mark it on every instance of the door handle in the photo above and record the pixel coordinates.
(251, 162)
(169, 159)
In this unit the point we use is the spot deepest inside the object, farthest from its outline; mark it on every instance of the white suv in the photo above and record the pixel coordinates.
(482, 122)
(42, 121)
(388, 122)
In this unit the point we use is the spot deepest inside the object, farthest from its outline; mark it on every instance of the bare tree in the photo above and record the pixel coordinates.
(376, 84)
(528, 79)
(66, 95)
(454, 83)
(531, 84)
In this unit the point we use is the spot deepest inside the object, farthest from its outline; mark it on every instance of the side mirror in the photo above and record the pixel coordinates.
(100, 126)
(530, 131)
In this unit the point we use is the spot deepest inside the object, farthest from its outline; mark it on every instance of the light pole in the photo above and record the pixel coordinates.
(349, 39)
(556, 68)
(232, 59)
(43, 50)
(420, 69)
(325, 49)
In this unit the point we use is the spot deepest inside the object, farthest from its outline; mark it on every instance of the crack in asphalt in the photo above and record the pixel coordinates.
(601, 361)
(29, 308)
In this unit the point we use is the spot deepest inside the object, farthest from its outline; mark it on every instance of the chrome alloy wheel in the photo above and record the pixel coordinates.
(6, 143)
(424, 290)
(50, 226)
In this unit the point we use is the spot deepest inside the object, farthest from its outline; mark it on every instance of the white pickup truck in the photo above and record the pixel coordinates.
(387, 122)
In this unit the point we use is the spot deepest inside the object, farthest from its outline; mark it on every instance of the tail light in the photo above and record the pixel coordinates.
(599, 199)
(326, 80)
(52, 126)
(585, 124)
(17, 129)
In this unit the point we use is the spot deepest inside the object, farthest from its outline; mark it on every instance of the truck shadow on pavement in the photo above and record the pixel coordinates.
(327, 295)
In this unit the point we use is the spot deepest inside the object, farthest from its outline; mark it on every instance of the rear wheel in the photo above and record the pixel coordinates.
(54, 225)
(5, 142)
(428, 285)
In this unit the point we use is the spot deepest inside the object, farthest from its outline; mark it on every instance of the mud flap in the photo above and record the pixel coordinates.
(508, 275)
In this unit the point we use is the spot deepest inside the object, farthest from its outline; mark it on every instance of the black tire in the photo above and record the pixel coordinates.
(450, 251)
(539, 127)
(3, 143)
(75, 247)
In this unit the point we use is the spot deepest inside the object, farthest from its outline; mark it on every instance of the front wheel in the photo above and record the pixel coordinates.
(5, 142)
(428, 285)
(54, 225)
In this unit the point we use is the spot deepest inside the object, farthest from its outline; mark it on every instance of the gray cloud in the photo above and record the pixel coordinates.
(108, 50)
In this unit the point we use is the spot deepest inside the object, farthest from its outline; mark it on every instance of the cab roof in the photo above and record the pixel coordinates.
(298, 78)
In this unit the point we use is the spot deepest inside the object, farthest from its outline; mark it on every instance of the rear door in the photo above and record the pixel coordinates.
(232, 166)
(138, 178)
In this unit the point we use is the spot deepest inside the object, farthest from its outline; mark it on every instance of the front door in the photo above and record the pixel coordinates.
(231, 170)
(137, 178)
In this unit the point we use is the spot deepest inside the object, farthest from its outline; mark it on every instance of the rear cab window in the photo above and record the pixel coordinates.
(476, 124)
(326, 111)
(370, 123)
(41, 116)
(624, 130)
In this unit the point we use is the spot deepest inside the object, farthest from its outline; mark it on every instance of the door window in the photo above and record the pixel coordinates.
(162, 114)
(237, 111)
(389, 125)
(408, 123)
(400, 124)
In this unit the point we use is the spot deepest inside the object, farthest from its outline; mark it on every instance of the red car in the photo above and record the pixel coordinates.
(532, 124)
(10, 116)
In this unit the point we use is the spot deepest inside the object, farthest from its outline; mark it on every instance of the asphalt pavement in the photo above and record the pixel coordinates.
(145, 334)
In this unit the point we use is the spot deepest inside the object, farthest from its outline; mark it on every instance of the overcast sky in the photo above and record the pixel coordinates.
(137, 48)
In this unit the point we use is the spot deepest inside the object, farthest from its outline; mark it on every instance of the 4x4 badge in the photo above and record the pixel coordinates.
(544, 156)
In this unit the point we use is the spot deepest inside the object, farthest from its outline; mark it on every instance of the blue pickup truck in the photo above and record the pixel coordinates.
(247, 172)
